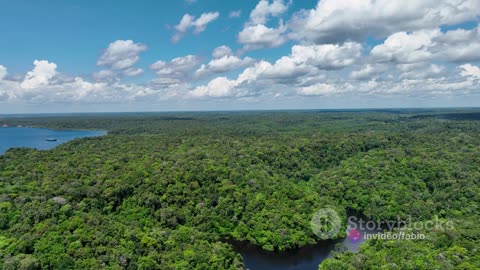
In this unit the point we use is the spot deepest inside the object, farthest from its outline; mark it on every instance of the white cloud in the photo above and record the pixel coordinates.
(414, 60)
(110, 75)
(218, 87)
(178, 70)
(132, 72)
(405, 47)
(420, 71)
(121, 54)
(265, 9)
(69, 90)
(104, 75)
(340, 20)
(79, 91)
(303, 60)
(188, 21)
(40, 75)
(252, 73)
(284, 78)
(256, 34)
(223, 87)
(319, 89)
(286, 69)
(310, 60)
(429, 87)
(328, 56)
(3, 72)
(459, 45)
(428, 45)
(223, 64)
(178, 65)
(185, 23)
(260, 36)
(201, 23)
(235, 14)
(221, 51)
(44, 85)
(83, 88)
(470, 71)
(367, 72)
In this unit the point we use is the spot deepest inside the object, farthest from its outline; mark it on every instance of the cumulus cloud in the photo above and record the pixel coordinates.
(119, 59)
(328, 56)
(340, 20)
(286, 69)
(185, 23)
(260, 36)
(416, 57)
(264, 9)
(218, 87)
(176, 71)
(221, 51)
(405, 47)
(132, 72)
(188, 21)
(201, 23)
(429, 87)
(319, 89)
(459, 45)
(390, 88)
(178, 65)
(111, 75)
(470, 71)
(121, 54)
(104, 75)
(40, 75)
(420, 71)
(80, 91)
(310, 59)
(223, 87)
(223, 61)
(3, 72)
(367, 72)
(224, 64)
(303, 60)
(426, 45)
(307, 61)
(45, 85)
(38, 86)
(256, 34)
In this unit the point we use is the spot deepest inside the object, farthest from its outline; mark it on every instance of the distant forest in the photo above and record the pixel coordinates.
(168, 190)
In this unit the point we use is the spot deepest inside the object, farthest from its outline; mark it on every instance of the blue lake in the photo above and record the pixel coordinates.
(37, 137)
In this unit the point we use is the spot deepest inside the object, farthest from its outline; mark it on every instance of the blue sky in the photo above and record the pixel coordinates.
(62, 56)
(73, 33)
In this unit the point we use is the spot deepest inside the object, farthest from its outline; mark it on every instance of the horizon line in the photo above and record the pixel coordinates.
(241, 110)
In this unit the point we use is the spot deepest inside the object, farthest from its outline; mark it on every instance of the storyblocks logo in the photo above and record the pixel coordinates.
(326, 224)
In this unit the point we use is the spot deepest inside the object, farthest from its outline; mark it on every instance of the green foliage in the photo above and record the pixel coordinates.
(163, 191)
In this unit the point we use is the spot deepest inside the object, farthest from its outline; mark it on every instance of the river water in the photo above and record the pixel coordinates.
(306, 258)
(37, 137)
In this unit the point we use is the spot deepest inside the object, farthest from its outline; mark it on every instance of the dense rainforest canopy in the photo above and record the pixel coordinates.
(167, 190)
